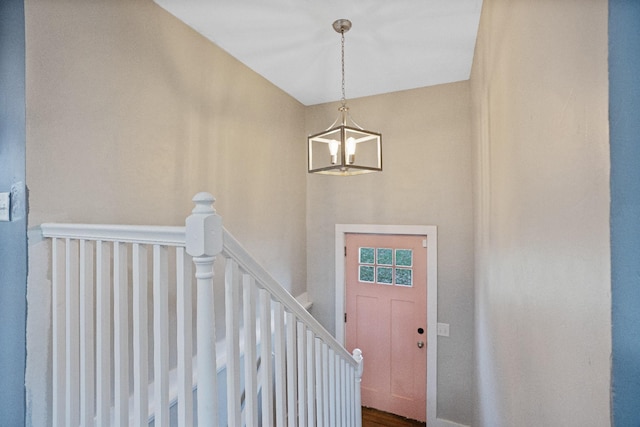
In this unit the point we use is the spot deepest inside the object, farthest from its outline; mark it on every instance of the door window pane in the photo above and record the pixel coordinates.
(366, 274)
(367, 256)
(404, 257)
(385, 256)
(385, 275)
(404, 277)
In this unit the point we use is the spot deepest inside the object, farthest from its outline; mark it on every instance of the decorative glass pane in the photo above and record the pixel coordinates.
(404, 277)
(385, 256)
(385, 275)
(404, 257)
(367, 256)
(366, 274)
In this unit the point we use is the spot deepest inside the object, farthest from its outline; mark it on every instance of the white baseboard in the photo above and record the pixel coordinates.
(441, 422)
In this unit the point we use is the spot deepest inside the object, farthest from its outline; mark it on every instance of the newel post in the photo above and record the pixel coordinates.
(357, 356)
(203, 233)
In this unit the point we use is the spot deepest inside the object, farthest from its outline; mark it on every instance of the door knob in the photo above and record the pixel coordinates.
(420, 344)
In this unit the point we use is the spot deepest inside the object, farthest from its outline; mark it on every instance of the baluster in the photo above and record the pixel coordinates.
(232, 308)
(332, 387)
(121, 333)
(72, 395)
(280, 374)
(346, 411)
(291, 368)
(250, 374)
(319, 371)
(342, 405)
(302, 377)
(203, 243)
(349, 393)
(161, 335)
(140, 336)
(58, 328)
(87, 340)
(357, 356)
(103, 334)
(184, 338)
(266, 374)
(325, 383)
(311, 368)
(339, 400)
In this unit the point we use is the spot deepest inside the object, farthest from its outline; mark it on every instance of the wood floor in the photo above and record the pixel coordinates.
(374, 418)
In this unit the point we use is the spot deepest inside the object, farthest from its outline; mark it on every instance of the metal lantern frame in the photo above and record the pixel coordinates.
(344, 162)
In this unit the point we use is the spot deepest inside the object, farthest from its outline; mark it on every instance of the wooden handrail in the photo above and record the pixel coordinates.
(142, 234)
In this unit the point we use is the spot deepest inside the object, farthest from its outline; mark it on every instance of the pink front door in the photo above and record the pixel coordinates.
(386, 317)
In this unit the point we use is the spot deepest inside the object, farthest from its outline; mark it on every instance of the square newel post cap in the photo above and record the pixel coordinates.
(203, 228)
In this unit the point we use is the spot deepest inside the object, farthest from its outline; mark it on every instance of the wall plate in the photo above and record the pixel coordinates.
(5, 207)
(443, 329)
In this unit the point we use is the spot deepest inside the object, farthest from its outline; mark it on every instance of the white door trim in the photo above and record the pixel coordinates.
(431, 231)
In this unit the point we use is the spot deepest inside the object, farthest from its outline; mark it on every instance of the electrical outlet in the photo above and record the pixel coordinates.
(5, 207)
(443, 329)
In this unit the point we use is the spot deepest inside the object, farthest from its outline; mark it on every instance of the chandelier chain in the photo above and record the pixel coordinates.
(344, 98)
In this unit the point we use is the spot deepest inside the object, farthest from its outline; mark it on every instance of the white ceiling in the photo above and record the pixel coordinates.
(393, 45)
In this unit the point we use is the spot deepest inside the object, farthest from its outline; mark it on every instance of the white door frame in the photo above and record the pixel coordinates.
(431, 231)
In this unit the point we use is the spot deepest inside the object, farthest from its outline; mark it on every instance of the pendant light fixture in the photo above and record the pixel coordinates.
(343, 149)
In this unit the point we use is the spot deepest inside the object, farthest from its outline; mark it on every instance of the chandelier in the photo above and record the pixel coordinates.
(344, 149)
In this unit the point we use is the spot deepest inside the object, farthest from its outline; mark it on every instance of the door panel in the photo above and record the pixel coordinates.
(386, 300)
(402, 373)
(371, 332)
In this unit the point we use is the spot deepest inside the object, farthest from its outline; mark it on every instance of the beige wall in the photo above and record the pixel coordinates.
(129, 114)
(542, 312)
(427, 180)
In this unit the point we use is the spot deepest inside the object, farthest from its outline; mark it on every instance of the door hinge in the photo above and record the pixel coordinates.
(345, 251)
(345, 318)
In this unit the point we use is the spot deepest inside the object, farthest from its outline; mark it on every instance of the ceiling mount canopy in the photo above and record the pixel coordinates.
(344, 149)
(341, 25)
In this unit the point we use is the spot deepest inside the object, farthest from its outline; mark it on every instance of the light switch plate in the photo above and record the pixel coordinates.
(443, 329)
(5, 206)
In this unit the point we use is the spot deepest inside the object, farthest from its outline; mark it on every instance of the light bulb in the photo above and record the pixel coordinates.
(333, 150)
(351, 150)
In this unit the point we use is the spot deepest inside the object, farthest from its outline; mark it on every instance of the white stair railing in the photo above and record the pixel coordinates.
(122, 333)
